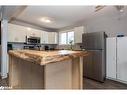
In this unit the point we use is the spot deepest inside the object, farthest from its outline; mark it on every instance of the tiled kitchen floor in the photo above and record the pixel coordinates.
(88, 84)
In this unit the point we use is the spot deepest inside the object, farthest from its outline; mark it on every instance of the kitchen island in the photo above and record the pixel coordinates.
(31, 69)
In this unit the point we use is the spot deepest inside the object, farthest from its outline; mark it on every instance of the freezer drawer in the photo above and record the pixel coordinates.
(94, 65)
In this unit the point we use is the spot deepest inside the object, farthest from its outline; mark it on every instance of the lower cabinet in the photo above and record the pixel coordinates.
(116, 66)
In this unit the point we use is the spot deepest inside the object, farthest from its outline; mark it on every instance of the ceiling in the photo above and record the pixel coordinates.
(61, 16)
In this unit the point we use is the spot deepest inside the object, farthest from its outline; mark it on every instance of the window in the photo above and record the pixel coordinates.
(66, 37)
(70, 38)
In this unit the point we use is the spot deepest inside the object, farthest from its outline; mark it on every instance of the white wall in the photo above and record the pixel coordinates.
(109, 19)
(112, 22)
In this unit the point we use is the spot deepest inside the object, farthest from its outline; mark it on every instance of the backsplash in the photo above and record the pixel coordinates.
(16, 46)
(75, 47)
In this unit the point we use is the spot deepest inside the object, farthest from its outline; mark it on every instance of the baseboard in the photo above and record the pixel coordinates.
(121, 81)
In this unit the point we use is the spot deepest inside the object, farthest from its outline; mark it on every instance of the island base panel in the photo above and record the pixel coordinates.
(60, 75)
(25, 75)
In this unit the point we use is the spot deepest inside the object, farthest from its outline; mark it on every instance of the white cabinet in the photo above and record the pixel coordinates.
(56, 37)
(44, 37)
(111, 57)
(78, 31)
(48, 37)
(34, 32)
(52, 37)
(16, 33)
(122, 58)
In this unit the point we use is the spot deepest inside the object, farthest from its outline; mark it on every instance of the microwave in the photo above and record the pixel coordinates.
(32, 40)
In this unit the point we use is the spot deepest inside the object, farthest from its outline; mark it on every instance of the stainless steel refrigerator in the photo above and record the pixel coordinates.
(94, 65)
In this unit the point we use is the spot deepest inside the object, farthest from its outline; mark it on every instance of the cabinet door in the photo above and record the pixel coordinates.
(30, 33)
(78, 34)
(111, 57)
(34, 32)
(49, 37)
(16, 33)
(56, 37)
(52, 38)
(44, 37)
(11, 33)
(122, 58)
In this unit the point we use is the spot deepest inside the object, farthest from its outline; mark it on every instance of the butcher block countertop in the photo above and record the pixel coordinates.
(45, 57)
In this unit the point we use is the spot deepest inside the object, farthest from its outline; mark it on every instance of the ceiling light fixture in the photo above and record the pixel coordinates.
(28, 28)
(46, 20)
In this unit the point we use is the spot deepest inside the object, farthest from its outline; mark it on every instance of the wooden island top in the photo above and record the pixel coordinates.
(45, 57)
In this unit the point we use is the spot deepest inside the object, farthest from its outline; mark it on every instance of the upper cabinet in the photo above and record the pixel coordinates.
(48, 37)
(16, 33)
(78, 31)
(44, 37)
(52, 37)
(34, 32)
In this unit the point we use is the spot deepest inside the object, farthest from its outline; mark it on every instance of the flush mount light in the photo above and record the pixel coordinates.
(46, 19)
(121, 10)
(28, 28)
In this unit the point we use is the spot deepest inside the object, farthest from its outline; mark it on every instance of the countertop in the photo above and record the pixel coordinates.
(45, 57)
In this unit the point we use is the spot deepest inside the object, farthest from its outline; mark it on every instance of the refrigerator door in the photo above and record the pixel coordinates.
(93, 41)
(122, 59)
(94, 65)
(111, 57)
